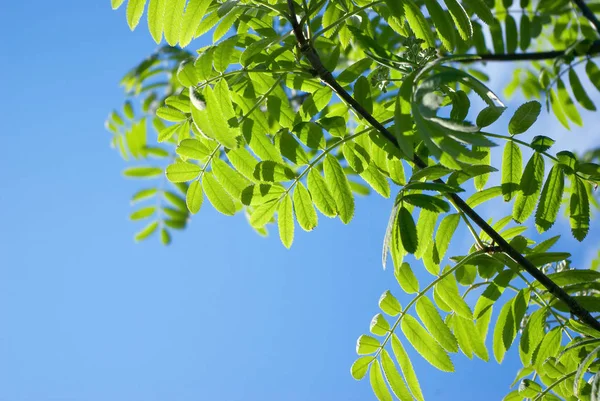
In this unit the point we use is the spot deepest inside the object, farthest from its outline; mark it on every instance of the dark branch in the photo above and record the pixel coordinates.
(588, 13)
(594, 49)
(327, 78)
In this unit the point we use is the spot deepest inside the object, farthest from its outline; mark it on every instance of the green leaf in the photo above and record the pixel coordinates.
(512, 165)
(541, 143)
(218, 111)
(550, 200)
(362, 93)
(408, 230)
(303, 206)
(558, 109)
(448, 291)
(291, 149)
(143, 213)
(567, 103)
(173, 19)
(376, 180)
(593, 73)
(504, 324)
(367, 345)
(444, 27)
(430, 173)
(378, 383)
(233, 182)
(579, 209)
(432, 186)
(512, 323)
(321, 195)
(146, 231)
(580, 94)
(532, 335)
(263, 214)
(482, 10)
(444, 234)
(193, 149)
(171, 114)
(389, 304)
(407, 368)
(461, 19)
(425, 227)
(194, 197)
(425, 345)
(310, 134)
(524, 117)
(340, 188)
(271, 171)
(531, 183)
(582, 370)
(182, 171)
(550, 346)
(194, 12)
(493, 291)
(427, 202)
(524, 32)
(512, 36)
(143, 194)
(285, 221)
(156, 18)
(417, 22)
(497, 38)
(379, 326)
(406, 278)
(358, 158)
(483, 196)
(360, 367)
(116, 3)
(217, 195)
(570, 277)
(243, 162)
(489, 115)
(135, 9)
(430, 316)
(165, 237)
(142, 172)
(394, 378)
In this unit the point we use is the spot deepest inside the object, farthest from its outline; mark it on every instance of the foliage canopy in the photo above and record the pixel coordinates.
(299, 105)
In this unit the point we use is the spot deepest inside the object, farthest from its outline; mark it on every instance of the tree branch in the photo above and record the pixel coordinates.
(326, 77)
(588, 13)
(594, 49)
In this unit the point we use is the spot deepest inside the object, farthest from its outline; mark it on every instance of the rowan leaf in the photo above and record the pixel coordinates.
(339, 186)
(425, 345)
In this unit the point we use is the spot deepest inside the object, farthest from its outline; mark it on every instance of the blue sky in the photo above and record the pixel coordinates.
(88, 315)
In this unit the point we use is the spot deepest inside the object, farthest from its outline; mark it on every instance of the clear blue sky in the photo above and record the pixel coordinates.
(222, 314)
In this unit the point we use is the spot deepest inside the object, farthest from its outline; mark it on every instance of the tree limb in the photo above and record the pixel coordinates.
(313, 58)
(594, 49)
(588, 13)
